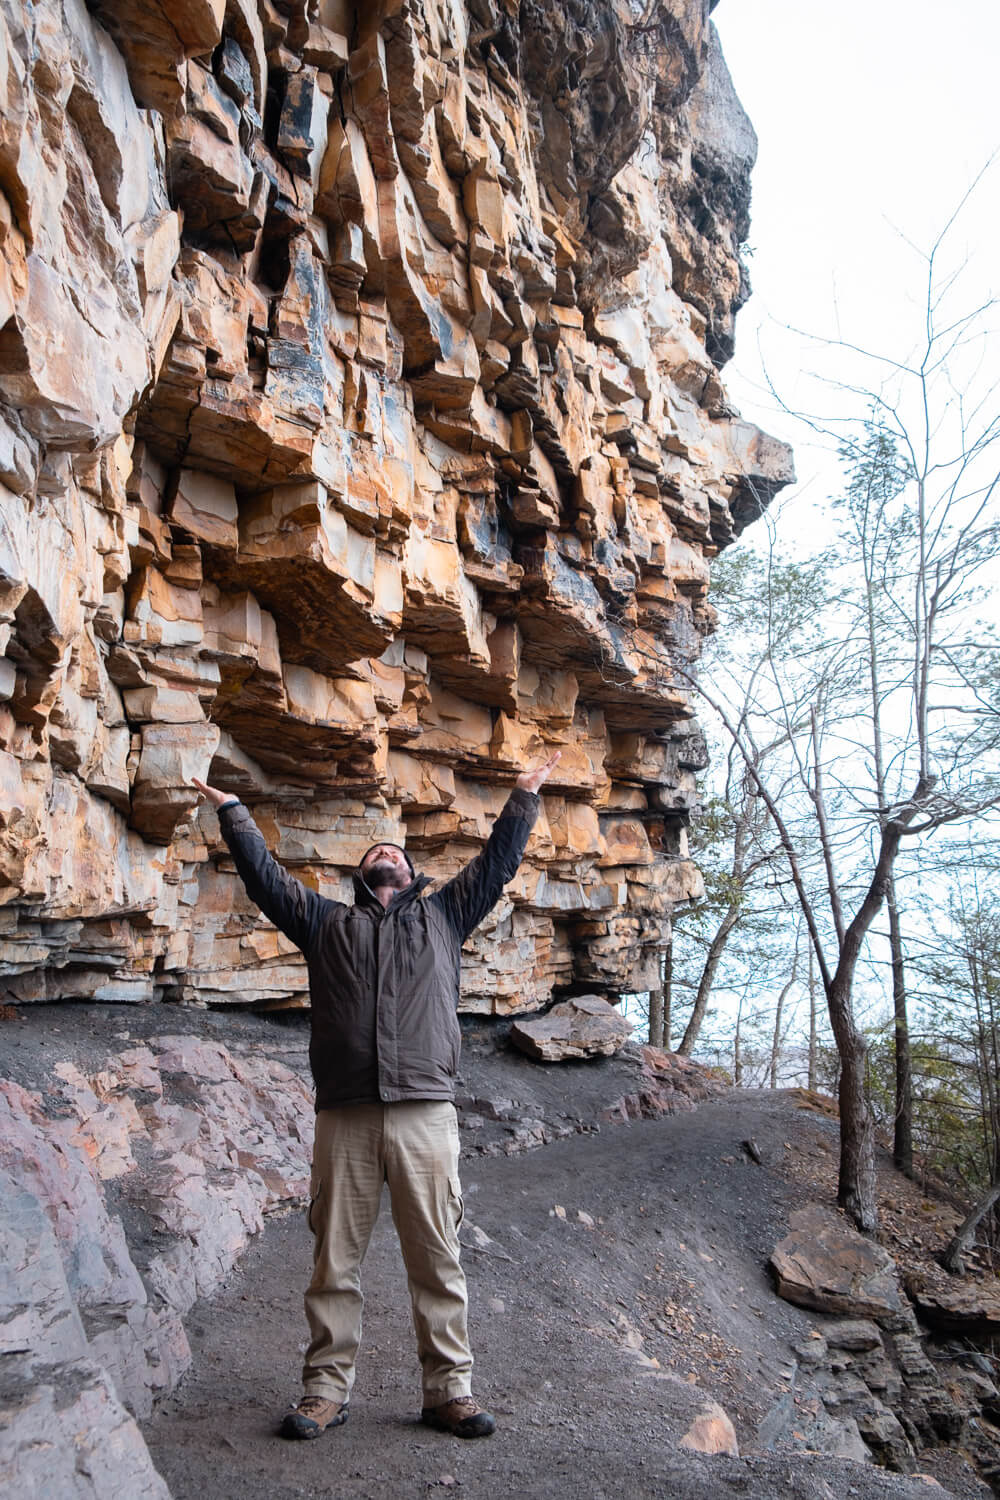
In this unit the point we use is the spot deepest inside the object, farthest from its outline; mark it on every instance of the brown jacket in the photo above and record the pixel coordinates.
(383, 982)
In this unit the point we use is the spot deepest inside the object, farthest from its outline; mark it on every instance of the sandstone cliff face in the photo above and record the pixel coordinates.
(361, 438)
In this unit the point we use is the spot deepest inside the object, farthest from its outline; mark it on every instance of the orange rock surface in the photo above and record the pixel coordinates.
(362, 439)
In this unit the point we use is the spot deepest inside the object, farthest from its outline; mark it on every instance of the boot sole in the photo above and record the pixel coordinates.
(486, 1430)
(303, 1429)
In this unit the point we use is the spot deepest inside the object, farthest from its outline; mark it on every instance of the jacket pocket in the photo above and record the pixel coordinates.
(450, 1033)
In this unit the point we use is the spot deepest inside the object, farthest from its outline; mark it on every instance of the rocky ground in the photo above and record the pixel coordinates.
(599, 1344)
(618, 1229)
(620, 1300)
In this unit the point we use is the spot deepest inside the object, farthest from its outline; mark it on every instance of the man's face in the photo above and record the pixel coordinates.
(385, 865)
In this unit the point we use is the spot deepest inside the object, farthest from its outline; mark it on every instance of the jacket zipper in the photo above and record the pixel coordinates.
(378, 991)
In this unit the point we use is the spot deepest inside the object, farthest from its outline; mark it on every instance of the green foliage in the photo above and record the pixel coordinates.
(876, 474)
(768, 600)
(946, 1135)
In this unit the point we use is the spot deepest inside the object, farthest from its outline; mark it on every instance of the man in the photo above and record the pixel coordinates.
(385, 1040)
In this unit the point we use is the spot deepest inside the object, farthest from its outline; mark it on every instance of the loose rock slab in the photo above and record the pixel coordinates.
(584, 1027)
(962, 1307)
(825, 1264)
(855, 1334)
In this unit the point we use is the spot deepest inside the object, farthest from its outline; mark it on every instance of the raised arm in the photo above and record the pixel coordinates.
(290, 905)
(474, 891)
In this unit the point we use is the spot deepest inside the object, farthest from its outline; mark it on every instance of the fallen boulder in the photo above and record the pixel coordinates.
(586, 1026)
(825, 1264)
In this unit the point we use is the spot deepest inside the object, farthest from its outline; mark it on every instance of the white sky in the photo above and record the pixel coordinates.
(873, 116)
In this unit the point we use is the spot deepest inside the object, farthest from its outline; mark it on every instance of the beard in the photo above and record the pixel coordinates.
(384, 872)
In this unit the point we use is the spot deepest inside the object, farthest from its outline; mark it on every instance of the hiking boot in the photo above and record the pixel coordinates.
(462, 1415)
(313, 1415)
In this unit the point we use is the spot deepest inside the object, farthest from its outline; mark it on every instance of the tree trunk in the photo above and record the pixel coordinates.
(776, 1043)
(958, 1247)
(779, 1011)
(668, 990)
(902, 1136)
(856, 1188)
(737, 1050)
(656, 1018)
(715, 952)
(811, 1080)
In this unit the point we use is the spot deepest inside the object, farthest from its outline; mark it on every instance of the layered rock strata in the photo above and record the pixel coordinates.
(127, 1192)
(871, 1377)
(361, 438)
(188, 1142)
(63, 1429)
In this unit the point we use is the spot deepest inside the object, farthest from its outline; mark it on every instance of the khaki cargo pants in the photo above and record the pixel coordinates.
(413, 1147)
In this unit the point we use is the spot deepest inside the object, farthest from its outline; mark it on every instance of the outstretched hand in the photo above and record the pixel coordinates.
(211, 792)
(530, 781)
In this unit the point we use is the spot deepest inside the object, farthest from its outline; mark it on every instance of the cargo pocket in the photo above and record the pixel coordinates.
(313, 1200)
(456, 1203)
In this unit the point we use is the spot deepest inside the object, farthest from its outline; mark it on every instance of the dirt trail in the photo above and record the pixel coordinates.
(597, 1343)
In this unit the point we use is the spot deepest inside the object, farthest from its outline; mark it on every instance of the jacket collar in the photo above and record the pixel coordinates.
(365, 896)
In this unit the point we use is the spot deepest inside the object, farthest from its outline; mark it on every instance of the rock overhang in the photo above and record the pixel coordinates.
(404, 459)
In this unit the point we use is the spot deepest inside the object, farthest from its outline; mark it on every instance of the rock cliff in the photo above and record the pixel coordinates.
(361, 436)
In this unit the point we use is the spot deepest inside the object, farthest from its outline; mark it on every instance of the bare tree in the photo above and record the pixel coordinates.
(889, 733)
(965, 971)
(734, 840)
(777, 1036)
(811, 1075)
(881, 534)
(748, 821)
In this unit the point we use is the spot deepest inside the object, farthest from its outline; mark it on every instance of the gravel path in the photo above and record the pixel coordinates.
(597, 1343)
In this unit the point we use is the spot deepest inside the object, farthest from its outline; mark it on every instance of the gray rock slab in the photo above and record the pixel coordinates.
(586, 1026)
(852, 1333)
(64, 1434)
(825, 1264)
